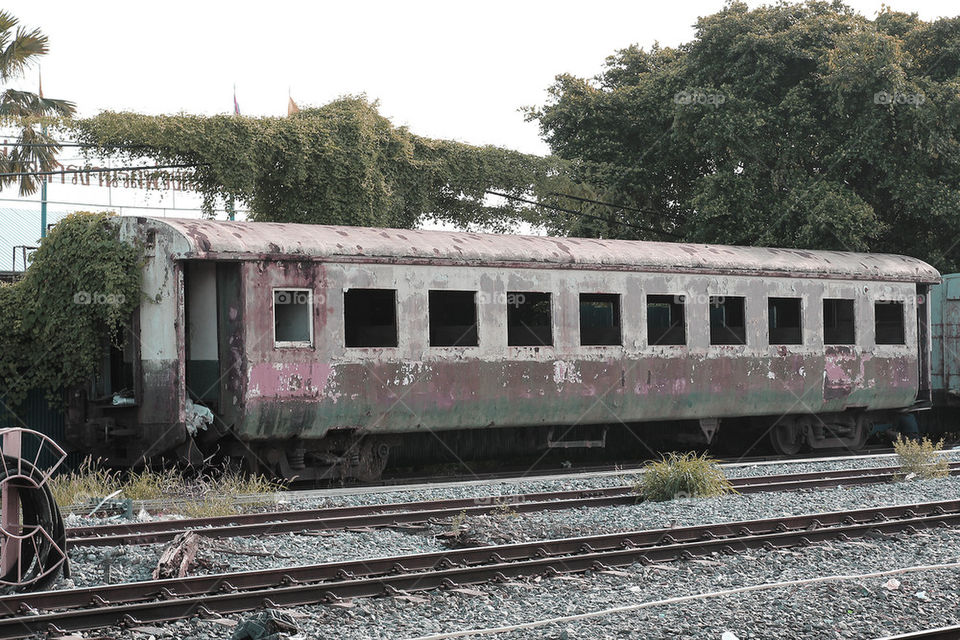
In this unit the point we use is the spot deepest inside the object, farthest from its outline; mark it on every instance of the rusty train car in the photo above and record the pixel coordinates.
(309, 350)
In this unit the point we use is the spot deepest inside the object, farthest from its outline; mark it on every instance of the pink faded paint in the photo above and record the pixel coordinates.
(290, 380)
(838, 379)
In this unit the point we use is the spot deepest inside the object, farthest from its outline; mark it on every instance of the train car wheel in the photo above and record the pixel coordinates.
(861, 430)
(373, 460)
(786, 438)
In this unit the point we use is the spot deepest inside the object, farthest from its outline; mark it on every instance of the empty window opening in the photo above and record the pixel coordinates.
(370, 317)
(665, 320)
(784, 319)
(292, 316)
(529, 321)
(888, 317)
(838, 325)
(600, 319)
(453, 319)
(727, 320)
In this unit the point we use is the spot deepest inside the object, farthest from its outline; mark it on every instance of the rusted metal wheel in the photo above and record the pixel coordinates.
(786, 438)
(861, 433)
(370, 461)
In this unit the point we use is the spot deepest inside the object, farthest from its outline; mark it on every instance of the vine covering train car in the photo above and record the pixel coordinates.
(309, 350)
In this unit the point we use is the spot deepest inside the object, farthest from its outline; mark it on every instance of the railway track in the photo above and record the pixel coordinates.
(523, 471)
(940, 633)
(164, 600)
(411, 482)
(279, 522)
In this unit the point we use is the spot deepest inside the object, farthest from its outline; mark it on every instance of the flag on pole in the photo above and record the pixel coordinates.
(292, 107)
(236, 105)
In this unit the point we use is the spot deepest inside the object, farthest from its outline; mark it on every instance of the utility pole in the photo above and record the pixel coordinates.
(43, 185)
(43, 197)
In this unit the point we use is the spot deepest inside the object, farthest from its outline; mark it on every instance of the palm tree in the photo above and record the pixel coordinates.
(34, 150)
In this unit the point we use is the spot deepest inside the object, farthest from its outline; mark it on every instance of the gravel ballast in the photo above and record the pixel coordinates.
(851, 609)
(860, 608)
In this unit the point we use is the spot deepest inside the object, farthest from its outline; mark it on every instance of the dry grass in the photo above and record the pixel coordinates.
(207, 494)
(921, 458)
(151, 485)
(87, 482)
(682, 476)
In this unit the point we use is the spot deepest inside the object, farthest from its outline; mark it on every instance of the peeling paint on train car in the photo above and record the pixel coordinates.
(276, 392)
(386, 399)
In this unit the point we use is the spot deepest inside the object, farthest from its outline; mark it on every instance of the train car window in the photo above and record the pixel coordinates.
(529, 320)
(370, 317)
(888, 316)
(838, 321)
(453, 319)
(600, 319)
(727, 320)
(665, 320)
(784, 320)
(292, 314)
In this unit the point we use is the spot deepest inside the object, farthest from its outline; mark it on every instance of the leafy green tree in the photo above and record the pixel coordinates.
(342, 163)
(802, 125)
(34, 149)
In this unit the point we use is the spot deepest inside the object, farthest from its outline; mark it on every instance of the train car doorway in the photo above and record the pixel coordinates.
(202, 353)
(213, 317)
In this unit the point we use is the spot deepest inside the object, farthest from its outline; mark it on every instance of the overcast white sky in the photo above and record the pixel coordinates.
(447, 69)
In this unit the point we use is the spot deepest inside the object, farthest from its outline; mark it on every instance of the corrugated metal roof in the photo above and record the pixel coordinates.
(252, 239)
(21, 227)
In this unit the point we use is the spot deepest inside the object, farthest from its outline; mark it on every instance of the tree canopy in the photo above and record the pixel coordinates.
(799, 125)
(20, 48)
(342, 163)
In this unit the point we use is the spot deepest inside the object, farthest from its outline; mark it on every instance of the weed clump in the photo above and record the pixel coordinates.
(921, 458)
(151, 485)
(88, 481)
(682, 476)
(210, 493)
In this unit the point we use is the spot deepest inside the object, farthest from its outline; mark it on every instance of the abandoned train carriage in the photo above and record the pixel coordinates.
(320, 348)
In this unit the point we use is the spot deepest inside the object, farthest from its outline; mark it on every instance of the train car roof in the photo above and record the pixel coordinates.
(215, 239)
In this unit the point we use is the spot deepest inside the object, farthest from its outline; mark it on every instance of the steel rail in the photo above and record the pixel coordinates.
(289, 586)
(415, 483)
(944, 633)
(279, 522)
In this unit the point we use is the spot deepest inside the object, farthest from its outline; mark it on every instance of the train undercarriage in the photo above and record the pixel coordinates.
(350, 455)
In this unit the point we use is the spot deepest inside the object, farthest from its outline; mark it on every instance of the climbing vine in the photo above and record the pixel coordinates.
(342, 163)
(79, 291)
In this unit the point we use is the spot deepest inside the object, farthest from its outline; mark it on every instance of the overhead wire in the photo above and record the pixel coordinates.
(537, 203)
(584, 214)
